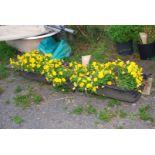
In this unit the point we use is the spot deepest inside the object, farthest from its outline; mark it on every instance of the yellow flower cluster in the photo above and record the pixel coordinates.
(80, 76)
(125, 75)
(34, 61)
(55, 72)
(31, 61)
(135, 71)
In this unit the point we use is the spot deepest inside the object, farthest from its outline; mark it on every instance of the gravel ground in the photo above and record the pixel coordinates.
(56, 109)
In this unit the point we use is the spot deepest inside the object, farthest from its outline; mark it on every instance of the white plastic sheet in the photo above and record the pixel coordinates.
(14, 32)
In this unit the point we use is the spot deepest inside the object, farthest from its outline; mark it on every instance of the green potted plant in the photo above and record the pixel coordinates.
(147, 48)
(122, 36)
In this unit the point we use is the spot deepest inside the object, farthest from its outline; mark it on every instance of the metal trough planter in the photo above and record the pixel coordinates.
(117, 93)
(108, 91)
(33, 76)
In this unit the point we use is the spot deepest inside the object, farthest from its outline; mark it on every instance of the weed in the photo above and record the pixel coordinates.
(123, 114)
(27, 99)
(63, 89)
(36, 98)
(100, 97)
(78, 110)
(90, 109)
(133, 115)
(22, 100)
(6, 52)
(144, 108)
(144, 113)
(18, 89)
(3, 72)
(96, 49)
(17, 119)
(113, 102)
(106, 115)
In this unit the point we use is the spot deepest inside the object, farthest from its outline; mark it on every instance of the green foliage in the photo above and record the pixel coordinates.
(126, 82)
(62, 88)
(132, 115)
(3, 71)
(150, 30)
(123, 33)
(6, 52)
(106, 115)
(123, 114)
(90, 109)
(36, 98)
(17, 119)
(78, 110)
(98, 52)
(22, 100)
(18, 89)
(144, 113)
(144, 108)
(103, 98)
(119, 33)
(96, 49)
(27, 99)
(113, 102)
(135, 30)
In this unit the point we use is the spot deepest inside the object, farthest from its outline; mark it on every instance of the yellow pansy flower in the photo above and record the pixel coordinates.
(89, 85)
(63, 80)
(109, 83)
(100, 75)
(81, 84)
(46, 67)
(32, 65)
(60, 73)
(38, 65)
(54, 73)
(95, 79)
(32, 60)
(94, 89)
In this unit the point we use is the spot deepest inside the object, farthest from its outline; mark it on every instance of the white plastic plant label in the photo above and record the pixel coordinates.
(86, 59)
(143, 37)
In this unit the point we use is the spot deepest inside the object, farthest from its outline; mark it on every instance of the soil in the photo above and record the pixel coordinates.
(56, 109)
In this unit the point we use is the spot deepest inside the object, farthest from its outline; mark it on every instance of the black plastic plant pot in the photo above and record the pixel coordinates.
(146, 51)
(125, 48)
(122, 95)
